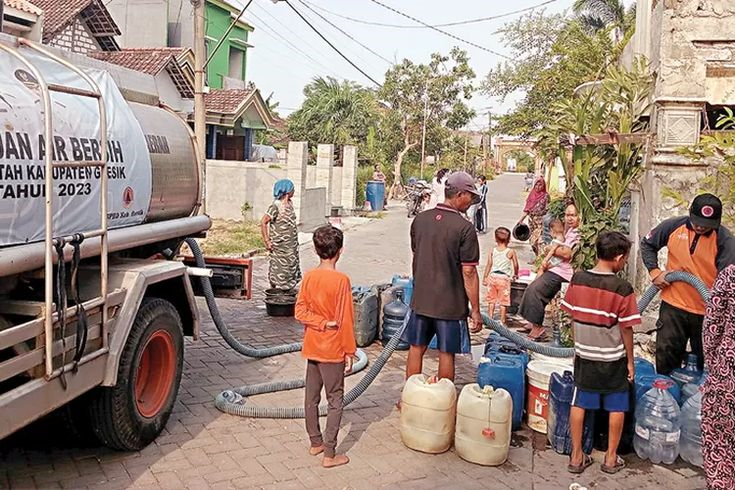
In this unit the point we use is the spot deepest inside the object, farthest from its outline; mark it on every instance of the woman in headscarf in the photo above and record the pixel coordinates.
(537, 204)
(718, 396)
(278, 228)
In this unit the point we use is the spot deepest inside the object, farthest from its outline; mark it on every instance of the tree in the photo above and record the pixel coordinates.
(552, 55)
(335, 112)
(435, 94)
(597, 15)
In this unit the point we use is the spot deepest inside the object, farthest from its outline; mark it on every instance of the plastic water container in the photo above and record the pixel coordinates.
(561, 390)
(405, 283)
(657, 425)
(539, 374)
(691, 430)
(428, 413)
(393, 315)
(643, 366)
(507, 374)
(366, 316)
(375, 194)
(688, 374)
(644, 383)
(483, 428)
(691, 389)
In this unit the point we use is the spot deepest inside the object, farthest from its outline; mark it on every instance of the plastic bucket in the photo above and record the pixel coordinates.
(537, 407)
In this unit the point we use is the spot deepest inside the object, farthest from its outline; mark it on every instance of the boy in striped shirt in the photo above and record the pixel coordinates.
(604, 312)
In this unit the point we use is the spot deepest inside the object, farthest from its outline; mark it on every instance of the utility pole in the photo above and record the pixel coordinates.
(423, 130)
(200, 119)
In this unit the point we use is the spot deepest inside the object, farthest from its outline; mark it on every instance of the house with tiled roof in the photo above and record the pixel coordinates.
(79, 26)
(169, 23)
(22, 18)
(172, 68)
(233, 116)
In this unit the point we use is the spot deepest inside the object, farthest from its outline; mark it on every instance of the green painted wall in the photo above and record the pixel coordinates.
(219, 19)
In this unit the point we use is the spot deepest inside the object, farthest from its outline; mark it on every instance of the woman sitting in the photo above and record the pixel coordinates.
(543, 289)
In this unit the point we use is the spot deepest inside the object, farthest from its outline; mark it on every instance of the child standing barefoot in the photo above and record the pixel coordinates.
(325, 308)
(501, 269)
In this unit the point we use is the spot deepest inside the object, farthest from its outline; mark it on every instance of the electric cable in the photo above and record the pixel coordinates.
(332, 45)
(448, 24)
(448, 34)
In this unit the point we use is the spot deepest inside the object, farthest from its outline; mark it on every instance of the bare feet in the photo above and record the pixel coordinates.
(337, 460)
(398, 405)
(316, 450)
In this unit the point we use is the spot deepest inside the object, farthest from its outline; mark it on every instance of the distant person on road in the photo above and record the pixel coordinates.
(437, 188)
(324, 306)
(699, 245)
(446, 253)
(537, 203)
(480, 215)
(500, 271)
(548, 284)
(604, 311)
(278, 228)
(718, 401)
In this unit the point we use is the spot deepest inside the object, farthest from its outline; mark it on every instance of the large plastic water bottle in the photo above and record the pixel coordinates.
(689, 373)
(691, 389)
(658, 424)
(691, 430)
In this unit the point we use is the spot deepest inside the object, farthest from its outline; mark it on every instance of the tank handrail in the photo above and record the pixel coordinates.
(104, 245)
(48, 237)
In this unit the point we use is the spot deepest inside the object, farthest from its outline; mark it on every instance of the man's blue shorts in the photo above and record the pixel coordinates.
(610, 402)
(421, 329)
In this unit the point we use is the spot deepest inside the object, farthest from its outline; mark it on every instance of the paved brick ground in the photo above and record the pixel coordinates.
(203, 448)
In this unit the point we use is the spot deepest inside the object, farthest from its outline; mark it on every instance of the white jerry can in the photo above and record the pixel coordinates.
(428, 412)
(484, 419)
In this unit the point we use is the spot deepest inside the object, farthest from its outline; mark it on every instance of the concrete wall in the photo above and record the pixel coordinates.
(230, 184)
(144, 23)
(312, 210)
(75, 38)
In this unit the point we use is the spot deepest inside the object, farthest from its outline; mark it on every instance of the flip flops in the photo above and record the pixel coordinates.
(541, 338)
(611, 470)
(587, 461)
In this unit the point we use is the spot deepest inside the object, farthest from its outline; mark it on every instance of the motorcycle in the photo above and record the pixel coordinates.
(419, 194)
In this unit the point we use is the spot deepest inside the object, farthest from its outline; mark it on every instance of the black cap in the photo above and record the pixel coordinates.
(706, 210)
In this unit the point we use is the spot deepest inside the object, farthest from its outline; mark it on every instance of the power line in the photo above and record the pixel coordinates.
(291, 34)
(276, 35)
(331, 45)
(448, 24)
(449, 34)
(345, 33)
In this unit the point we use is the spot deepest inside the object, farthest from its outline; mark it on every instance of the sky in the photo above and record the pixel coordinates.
(287, 54)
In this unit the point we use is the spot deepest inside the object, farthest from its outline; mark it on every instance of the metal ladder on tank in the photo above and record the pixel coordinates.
(50, 240)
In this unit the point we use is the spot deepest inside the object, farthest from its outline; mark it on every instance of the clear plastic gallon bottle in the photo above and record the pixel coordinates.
(691, 430)
(658, 424)
(689, 373)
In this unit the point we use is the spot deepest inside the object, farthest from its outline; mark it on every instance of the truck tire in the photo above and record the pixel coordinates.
(131, 414)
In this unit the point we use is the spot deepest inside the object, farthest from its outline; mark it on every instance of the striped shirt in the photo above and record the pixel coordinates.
(601, 305)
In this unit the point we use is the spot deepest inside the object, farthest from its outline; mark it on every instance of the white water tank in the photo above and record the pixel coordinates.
(484, 419)
(428, 411)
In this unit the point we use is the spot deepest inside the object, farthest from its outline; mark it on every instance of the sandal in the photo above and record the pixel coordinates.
(577, 469)
(541, 338)
(611, 470)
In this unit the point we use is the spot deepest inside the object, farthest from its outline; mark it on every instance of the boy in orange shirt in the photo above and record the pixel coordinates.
(324, 306)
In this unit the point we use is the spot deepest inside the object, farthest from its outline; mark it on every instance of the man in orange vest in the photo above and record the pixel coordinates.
(696, 244)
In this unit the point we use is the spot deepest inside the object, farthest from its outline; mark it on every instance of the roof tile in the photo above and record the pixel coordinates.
(226, 101)
(146, 60)
(23, 6)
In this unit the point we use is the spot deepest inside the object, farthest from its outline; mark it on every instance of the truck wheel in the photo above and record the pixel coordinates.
(131, 414)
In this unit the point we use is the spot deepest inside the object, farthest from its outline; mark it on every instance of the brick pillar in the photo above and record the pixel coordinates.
(349, 177)
(324, 166)
(298, 155)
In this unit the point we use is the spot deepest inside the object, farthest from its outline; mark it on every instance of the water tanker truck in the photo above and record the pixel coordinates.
(97, 194)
